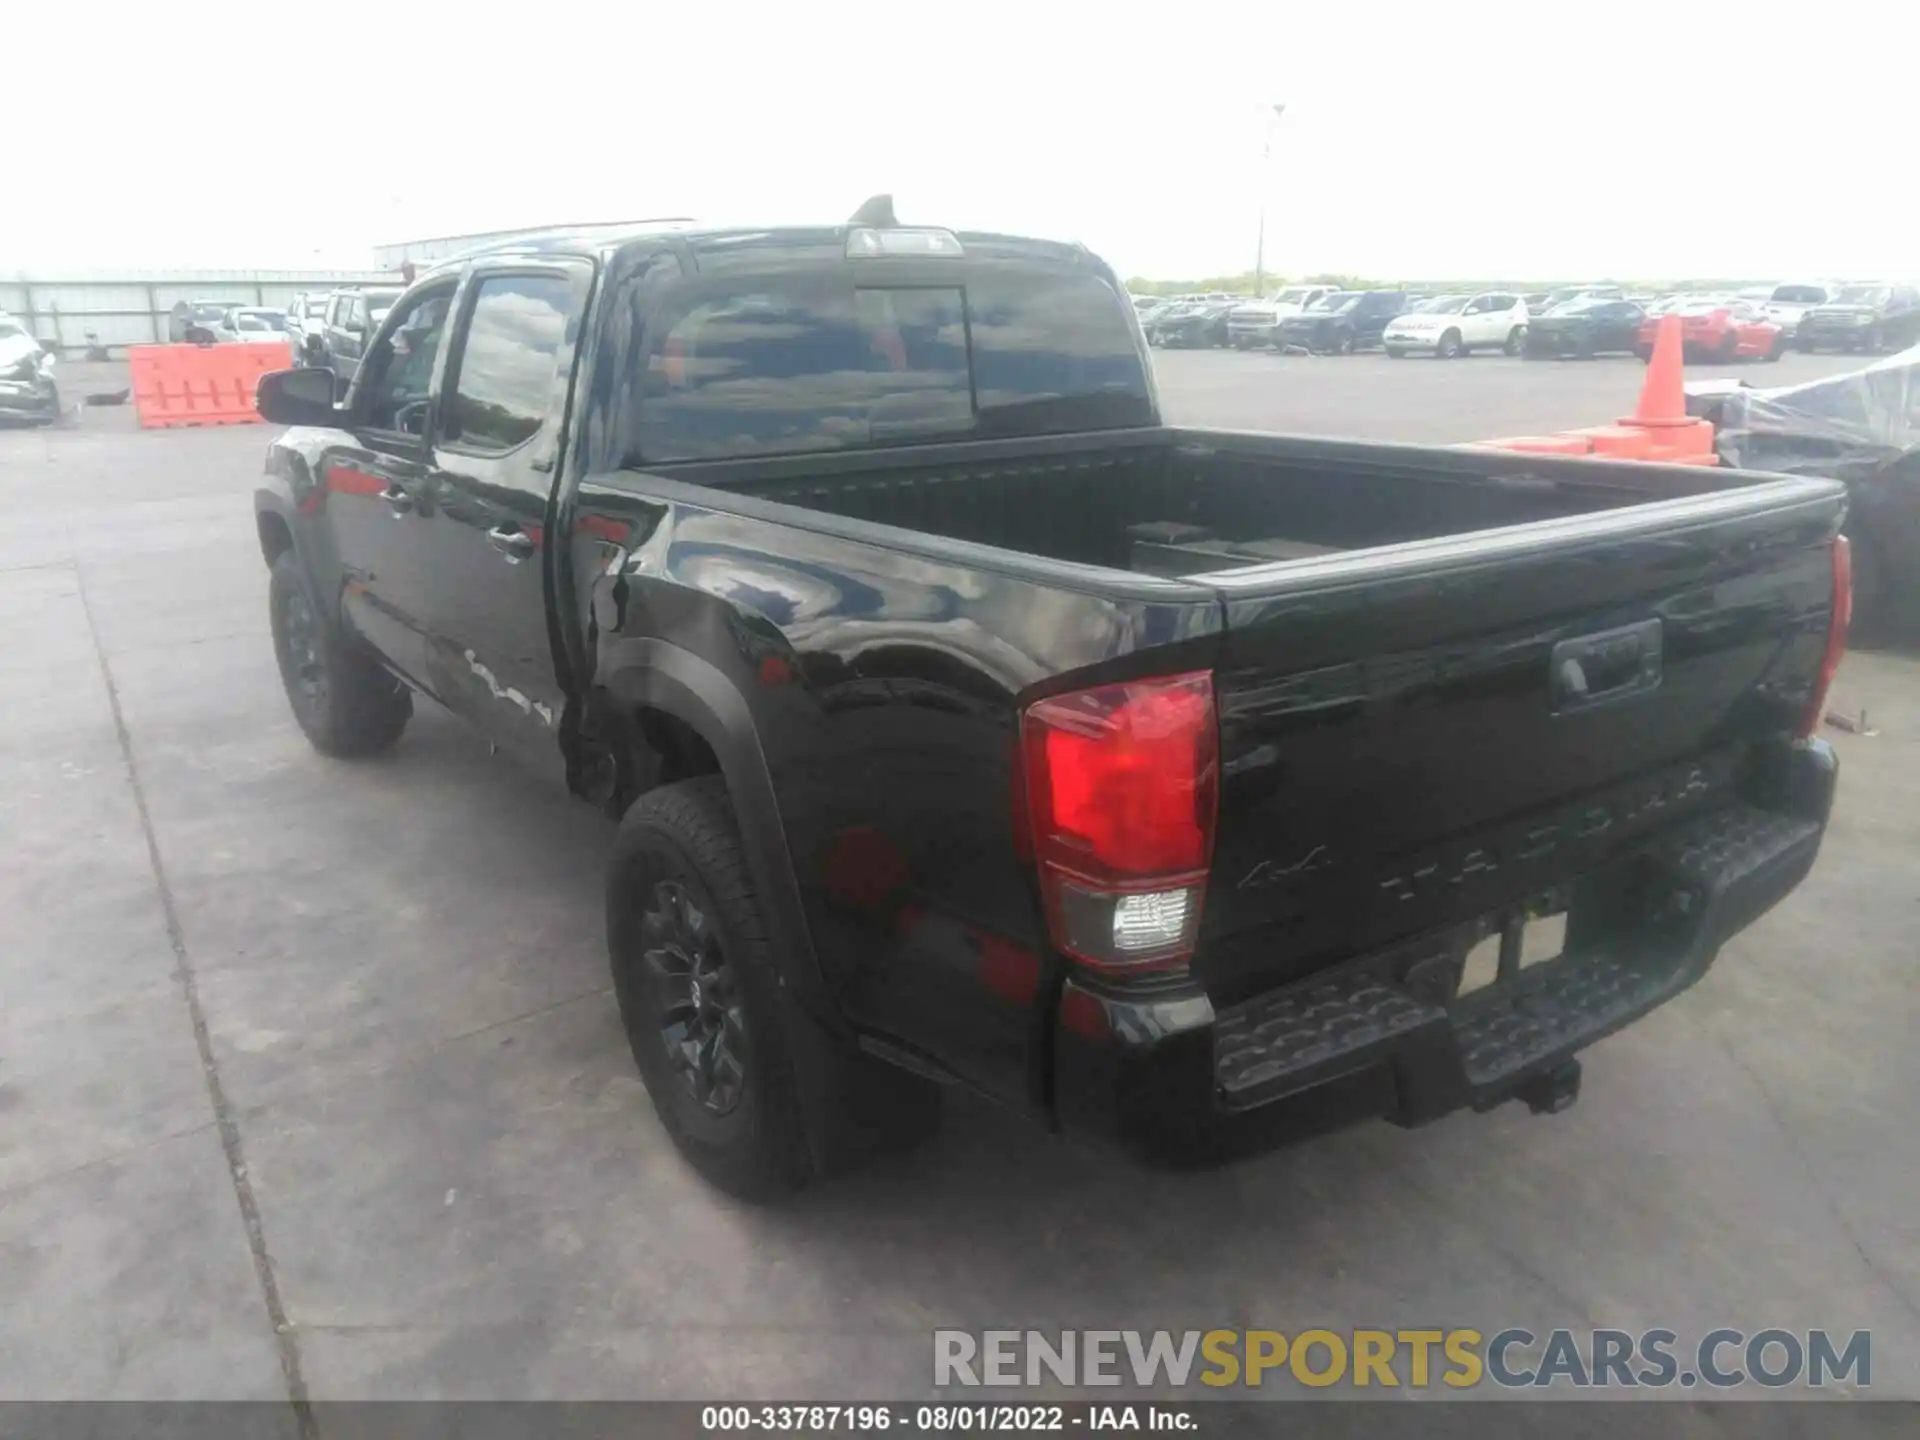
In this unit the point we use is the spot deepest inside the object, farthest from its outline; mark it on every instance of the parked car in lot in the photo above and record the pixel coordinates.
(1345, 321)
(1787, 305)
(352, 317)
(1872, 318)
(1719, 330)
(1585, 327)
(253, 325)
(1568, 293)
(27, 387)
(1862, 428)
(1453, 325)
(195, 322)
(1198, 325)
(307, 324)
(968, 725)
(1257, 322)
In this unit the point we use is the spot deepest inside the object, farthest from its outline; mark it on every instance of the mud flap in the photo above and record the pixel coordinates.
(855, 1107)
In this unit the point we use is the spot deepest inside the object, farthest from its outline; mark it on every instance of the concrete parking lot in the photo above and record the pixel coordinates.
(311, 1082)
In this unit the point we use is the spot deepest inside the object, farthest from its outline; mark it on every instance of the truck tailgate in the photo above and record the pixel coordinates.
(1415, 735)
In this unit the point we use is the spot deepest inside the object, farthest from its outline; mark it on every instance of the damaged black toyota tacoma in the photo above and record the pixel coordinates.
(968, 725)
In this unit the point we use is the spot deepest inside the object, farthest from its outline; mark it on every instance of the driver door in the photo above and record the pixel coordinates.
(375, 482)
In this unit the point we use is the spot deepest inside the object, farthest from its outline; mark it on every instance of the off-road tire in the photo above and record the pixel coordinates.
(356, 708)
(686, 834)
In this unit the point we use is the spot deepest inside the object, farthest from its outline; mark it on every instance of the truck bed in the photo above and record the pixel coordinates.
(1176, 502)
(1394, 629)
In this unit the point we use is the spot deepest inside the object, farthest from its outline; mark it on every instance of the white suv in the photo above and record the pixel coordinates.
(1787, 305)
(1451, 325)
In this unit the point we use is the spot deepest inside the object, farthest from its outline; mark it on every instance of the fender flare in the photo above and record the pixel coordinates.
(645, 673)
(275, 498)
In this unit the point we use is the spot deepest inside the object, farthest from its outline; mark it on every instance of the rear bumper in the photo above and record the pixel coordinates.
(1378, 1036)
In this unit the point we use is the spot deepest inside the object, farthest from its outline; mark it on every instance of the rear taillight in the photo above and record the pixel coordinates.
(1837, 622)
(1121, 787)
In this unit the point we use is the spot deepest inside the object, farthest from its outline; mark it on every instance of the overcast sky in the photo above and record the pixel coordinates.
(1570, 140)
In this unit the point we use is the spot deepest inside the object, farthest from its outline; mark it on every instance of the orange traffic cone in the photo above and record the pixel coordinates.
(1663, 399)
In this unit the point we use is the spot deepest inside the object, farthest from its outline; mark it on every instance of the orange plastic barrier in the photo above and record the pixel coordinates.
(1659, 428)
(177, 385)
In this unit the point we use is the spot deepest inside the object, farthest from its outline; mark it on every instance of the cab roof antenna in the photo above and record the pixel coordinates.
(876, 213)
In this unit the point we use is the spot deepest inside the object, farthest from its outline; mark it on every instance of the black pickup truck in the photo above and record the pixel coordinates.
(968, 725)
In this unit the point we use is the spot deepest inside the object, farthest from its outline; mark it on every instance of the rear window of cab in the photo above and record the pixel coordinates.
(827, 361)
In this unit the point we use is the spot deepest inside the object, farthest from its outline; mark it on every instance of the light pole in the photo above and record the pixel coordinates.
(1274, 112)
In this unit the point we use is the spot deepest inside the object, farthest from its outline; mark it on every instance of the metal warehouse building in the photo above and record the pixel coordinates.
(130, 307)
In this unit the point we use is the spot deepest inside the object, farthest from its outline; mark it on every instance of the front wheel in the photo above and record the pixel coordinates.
(1449, 346)
(1730, 347)
(345, 702)
(694, 973)
(1516, 340)
(1395, 352)
(1778, 348)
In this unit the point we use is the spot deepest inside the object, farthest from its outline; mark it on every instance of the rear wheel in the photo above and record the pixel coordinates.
(1449, 346)
(345, 702)
(1516, 340)
(1875, 341)
(699, 995)
(1645, 352)
(1394, 352)
(1343, 343)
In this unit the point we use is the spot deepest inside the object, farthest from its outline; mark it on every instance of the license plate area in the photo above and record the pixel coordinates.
(1511, 942)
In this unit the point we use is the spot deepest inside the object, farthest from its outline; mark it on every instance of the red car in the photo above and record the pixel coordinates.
(1720, 330)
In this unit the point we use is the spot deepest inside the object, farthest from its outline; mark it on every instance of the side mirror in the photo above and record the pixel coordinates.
(297, 397)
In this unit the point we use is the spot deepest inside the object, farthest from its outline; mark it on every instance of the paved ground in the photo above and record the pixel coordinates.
(1425, 400)
(309, 1074)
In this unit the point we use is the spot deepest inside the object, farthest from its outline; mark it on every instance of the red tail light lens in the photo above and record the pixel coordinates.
(1837, 623)
(1121, 789)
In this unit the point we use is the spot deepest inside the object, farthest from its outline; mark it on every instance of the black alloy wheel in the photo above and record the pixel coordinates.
(694, 996)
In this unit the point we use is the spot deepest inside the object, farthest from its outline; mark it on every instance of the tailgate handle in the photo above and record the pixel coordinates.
(1610, 665)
